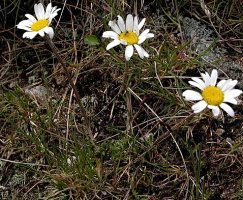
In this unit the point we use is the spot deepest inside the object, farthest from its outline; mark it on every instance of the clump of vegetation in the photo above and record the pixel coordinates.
(81, 122)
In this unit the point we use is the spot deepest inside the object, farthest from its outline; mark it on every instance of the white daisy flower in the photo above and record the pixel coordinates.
(127, 33)
(212, 95)
(40, 24)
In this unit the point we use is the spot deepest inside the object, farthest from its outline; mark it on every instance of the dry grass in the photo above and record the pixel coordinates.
(146, 142)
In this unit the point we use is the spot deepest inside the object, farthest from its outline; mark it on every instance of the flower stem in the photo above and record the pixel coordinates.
(125, 85)
(69, 77)
(125, 75)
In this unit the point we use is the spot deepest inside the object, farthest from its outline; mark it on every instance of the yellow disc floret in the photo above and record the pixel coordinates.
(129, 37)
(213, 95)
(40, 24)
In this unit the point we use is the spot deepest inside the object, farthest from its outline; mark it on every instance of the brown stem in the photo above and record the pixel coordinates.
(82, 109)
(124, 81)
(125, 84)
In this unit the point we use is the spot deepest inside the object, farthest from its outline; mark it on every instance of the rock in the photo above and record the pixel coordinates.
(38, 93)
(201, 37)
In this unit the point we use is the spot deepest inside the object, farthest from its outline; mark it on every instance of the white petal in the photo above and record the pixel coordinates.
(141, 52)
(143, 36)
(206, 78)
(110, 34)
(121, 23)
(135, 25)
(140, 25)
(26, 23)
(29, 35)
(53, 9)
(233, 93)
(232, 84)
(226, 85)
(49, 31)
(229, 99)
(215, 110)
(150, 35)
(141, 39)
(24, 28)
(227, 109)
(113, 44)
(41, 33)
(195, 84)
(145, 53)
(221, 84)
(36, 10)
(53, 13)
(30, 17)
(214, 77)
(191, 95)
(129, 23)
(51, 18)
(199, 81)
(199, 106)
(124, 42)
(57, 10)
(114, 27)
(229, 85)
(129, 52)
(39, 11)
(48, 11)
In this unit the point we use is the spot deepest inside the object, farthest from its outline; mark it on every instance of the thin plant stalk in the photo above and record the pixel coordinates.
(129, 112)
(82, 109)
(125, 77)
(125, 84)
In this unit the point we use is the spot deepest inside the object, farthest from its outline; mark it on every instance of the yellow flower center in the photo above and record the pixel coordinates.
(213, 95)
(129, 37)
(40, 24)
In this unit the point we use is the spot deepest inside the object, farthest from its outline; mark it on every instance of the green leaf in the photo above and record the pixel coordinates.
(92, 40)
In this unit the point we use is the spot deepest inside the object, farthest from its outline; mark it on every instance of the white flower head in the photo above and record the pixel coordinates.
(127, 33)
(213, 95)
(40, 24)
